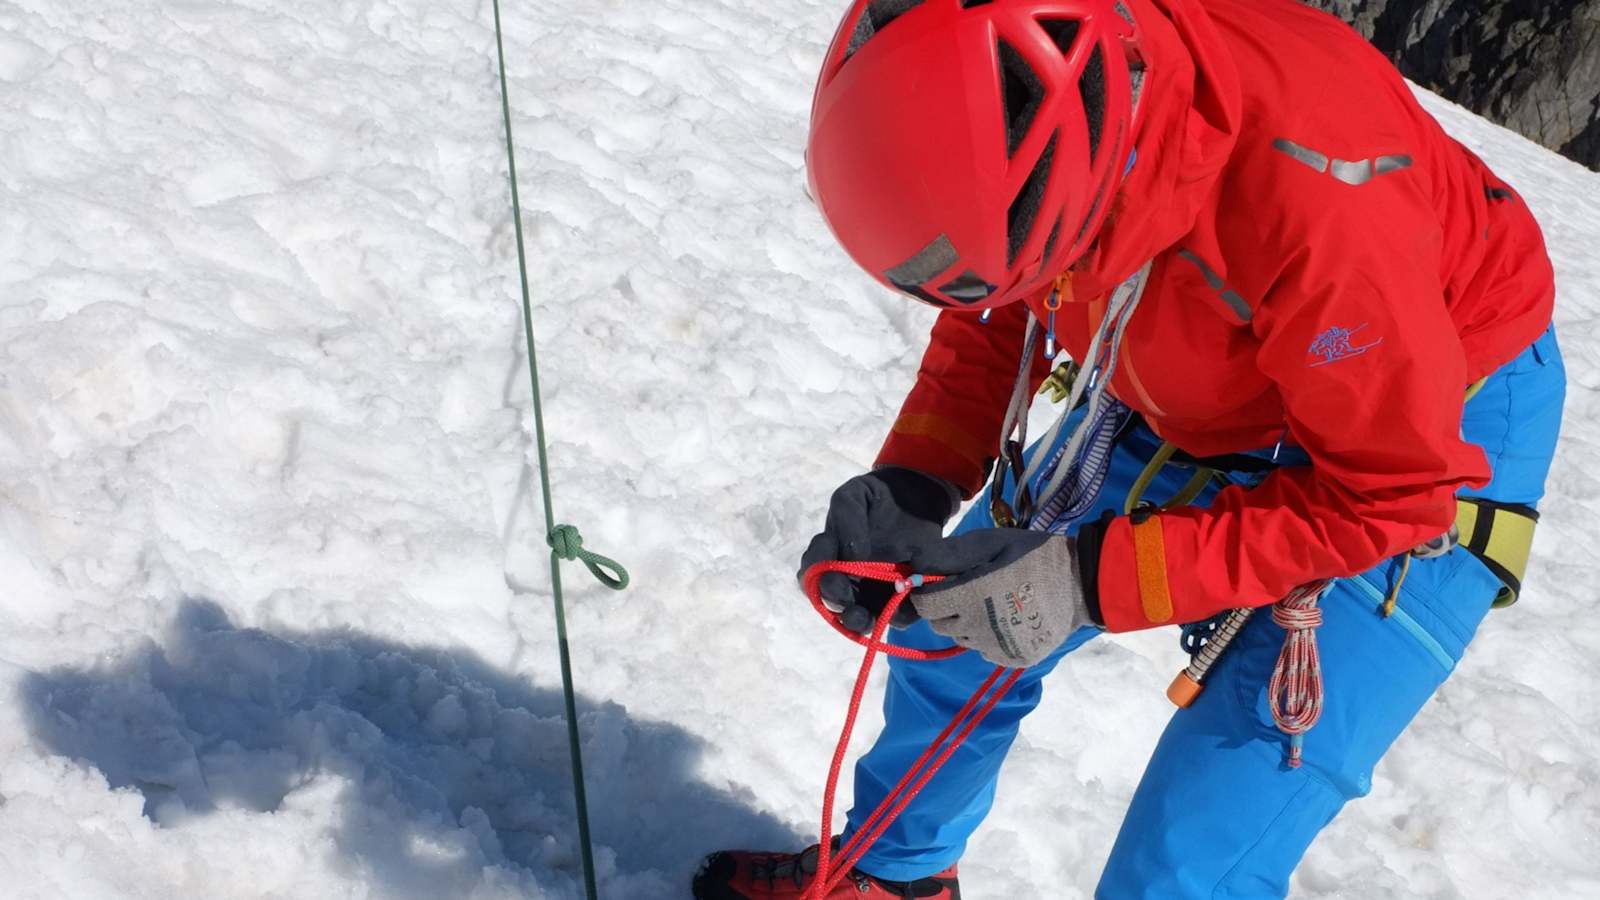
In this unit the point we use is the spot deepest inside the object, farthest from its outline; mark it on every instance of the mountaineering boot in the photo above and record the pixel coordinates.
(752, 875)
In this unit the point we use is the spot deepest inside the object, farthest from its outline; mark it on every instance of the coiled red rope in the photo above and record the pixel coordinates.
(829, 870)
(1295, 692)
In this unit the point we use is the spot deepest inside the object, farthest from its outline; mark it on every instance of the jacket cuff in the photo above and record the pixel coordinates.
(1134, 581)
(1086, 545)
(941, 452)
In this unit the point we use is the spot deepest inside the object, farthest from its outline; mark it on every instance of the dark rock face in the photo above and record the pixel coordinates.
(1531, 65)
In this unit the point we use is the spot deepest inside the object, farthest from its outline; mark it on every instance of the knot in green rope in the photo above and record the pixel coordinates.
(567, 544)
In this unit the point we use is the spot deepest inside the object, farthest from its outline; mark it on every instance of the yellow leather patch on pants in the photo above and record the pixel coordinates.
(1150, 557)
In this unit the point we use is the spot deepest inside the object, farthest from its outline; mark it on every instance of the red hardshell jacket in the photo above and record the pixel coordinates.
(1331, 271)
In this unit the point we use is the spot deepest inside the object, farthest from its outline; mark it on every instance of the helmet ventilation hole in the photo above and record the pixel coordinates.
(1062, 31)
(1022, 92)
(923, 266)
(1136, 71)
(1050, 242)
(1025, 208)
(968, 287)
(876, 17)
(1094, 209)
(1092, 88)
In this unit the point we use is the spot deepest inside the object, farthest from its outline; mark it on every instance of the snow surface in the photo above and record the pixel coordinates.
(273, 614)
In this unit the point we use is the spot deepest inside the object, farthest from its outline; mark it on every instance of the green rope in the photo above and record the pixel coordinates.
(564, 540)
(567, 544)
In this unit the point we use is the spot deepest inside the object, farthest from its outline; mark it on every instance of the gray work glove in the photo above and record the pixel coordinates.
(1012, 595)
(882, 516)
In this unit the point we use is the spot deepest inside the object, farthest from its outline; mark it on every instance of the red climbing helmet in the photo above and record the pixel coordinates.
(965, 152)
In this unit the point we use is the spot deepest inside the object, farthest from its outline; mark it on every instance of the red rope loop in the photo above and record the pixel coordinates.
(1291, 619)
(904, 581)
(1295, 692)
(830, 871)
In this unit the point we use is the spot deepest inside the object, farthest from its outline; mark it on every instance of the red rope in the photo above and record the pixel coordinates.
(1295, 696)
(983, 700)
(904, 582)
(1295, 691)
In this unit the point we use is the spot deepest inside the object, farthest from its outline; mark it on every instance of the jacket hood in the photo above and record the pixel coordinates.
(1188, 127)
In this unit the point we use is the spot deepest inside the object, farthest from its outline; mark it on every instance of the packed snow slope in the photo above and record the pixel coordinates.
(274, 620)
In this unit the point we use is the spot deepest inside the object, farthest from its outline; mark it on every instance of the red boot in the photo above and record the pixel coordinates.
(748, 875)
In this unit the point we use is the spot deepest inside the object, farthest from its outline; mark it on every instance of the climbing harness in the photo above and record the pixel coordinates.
(564, 540)
(1072, 478)
(1074, 475)
(1085, 457)
(1295, 694)
(831, 870)
(1499, 534)
(1186, 495)
(1089, 389)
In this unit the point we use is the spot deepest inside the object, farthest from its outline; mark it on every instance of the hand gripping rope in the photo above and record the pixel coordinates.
(830, 871)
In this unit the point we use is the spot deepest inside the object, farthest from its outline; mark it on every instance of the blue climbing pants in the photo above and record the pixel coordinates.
(1218, 814)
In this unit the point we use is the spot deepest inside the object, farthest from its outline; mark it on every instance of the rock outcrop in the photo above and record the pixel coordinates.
(1531, 65)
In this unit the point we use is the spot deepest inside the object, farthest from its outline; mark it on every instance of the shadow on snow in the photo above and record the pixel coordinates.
(447, 766)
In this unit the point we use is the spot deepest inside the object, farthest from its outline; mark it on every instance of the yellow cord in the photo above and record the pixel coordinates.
(1185, 495)
(1151, 469)
(1390, 601)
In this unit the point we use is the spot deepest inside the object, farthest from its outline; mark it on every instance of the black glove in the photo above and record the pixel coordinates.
(882, 516)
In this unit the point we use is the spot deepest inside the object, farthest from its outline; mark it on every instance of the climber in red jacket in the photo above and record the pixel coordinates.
(1273, 268)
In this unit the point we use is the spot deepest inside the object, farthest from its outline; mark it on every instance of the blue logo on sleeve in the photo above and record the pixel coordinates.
(1337, 344)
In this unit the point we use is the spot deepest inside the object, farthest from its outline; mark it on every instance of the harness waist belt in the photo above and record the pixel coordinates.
(1501, 535)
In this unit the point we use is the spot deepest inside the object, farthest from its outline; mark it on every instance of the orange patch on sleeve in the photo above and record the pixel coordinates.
(1150, 558)
(944, 431)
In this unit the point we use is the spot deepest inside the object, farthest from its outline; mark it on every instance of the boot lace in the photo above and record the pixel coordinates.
(794, 866)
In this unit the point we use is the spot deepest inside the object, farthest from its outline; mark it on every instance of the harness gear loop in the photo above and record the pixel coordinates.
(1296, 695)
(831, 871)
(1186, 688)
